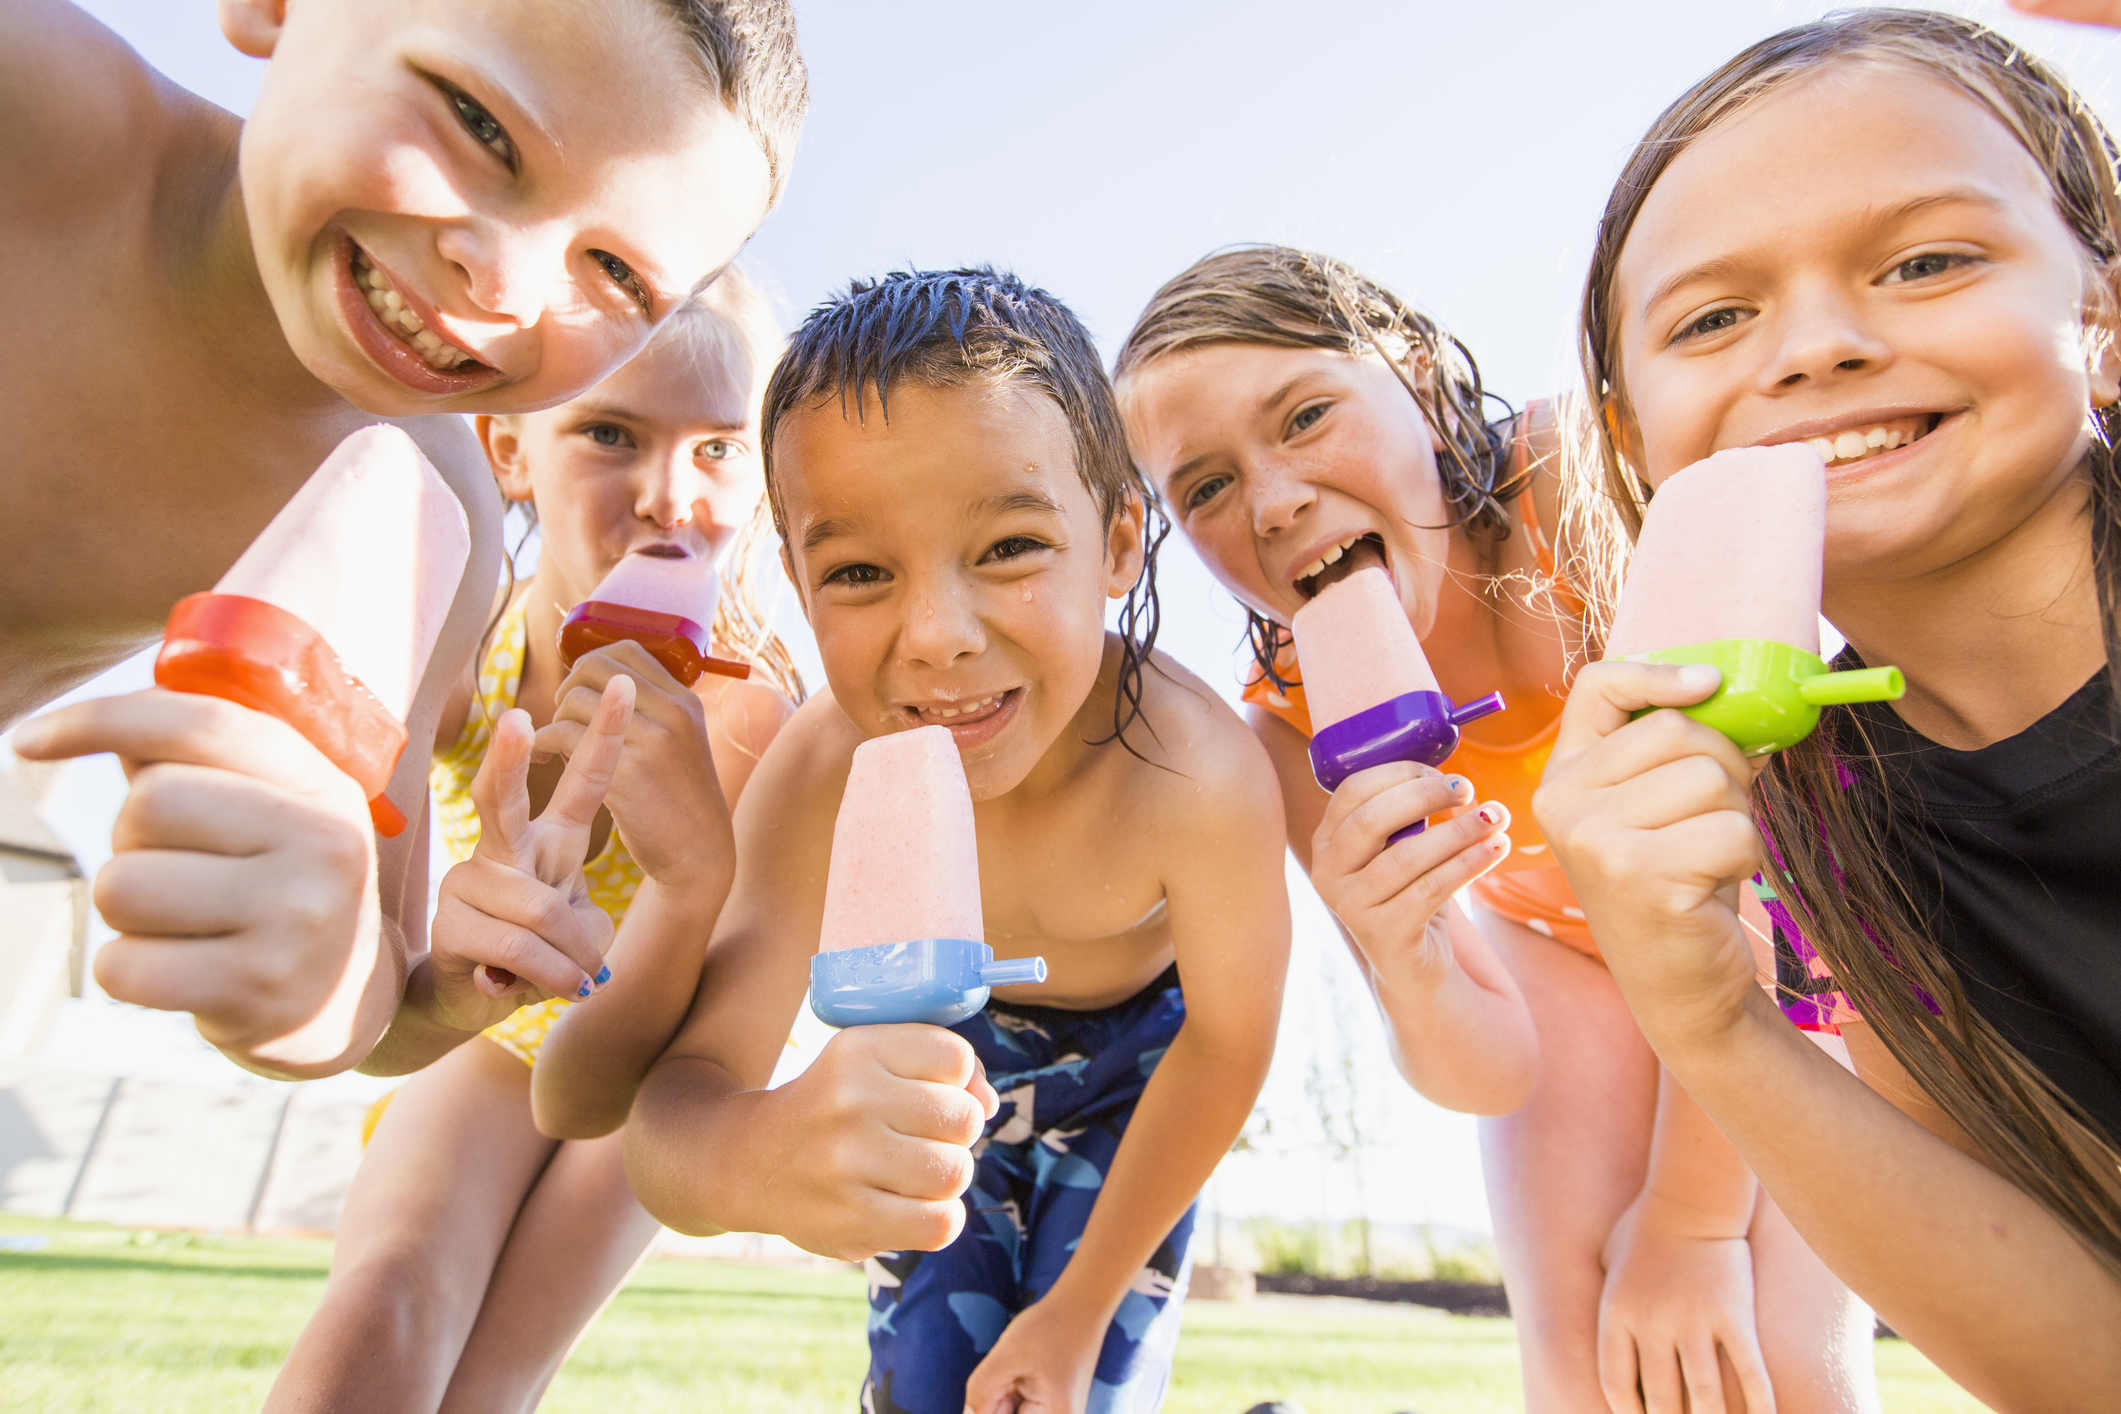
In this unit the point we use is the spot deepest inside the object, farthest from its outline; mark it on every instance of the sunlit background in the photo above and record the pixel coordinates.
(1460, 153)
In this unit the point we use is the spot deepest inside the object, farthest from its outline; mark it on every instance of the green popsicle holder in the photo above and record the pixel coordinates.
(1772, 692)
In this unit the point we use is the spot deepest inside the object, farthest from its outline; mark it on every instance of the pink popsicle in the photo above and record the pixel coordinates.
(1732, 547)
(1357, 648)
(683, 586)
(905, 864)
(368, 553)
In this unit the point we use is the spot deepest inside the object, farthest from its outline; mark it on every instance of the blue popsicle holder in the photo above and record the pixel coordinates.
(1414, 726)
(940, 981)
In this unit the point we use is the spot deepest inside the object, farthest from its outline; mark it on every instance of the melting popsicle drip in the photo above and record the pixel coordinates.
(1728, 571)
(903, 938)
(1372, 695)
(328, 619)
(660, 598)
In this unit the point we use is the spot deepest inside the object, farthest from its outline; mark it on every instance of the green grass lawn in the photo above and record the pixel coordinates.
(103, 1319)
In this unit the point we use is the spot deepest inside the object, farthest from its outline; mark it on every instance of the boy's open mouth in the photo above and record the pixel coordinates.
(972, 721)
(1357, 552)
(398, 320)
(1855, 444)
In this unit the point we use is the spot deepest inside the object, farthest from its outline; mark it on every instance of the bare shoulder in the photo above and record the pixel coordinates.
(1198, 758)
(802, 774)
(749, 712)
(87, 121)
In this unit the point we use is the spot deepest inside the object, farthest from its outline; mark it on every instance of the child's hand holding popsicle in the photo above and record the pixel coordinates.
(1647, 810)
(664, 796)
(514, 923)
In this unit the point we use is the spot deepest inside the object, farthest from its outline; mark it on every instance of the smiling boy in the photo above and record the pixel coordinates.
(946, 463)
(435, 208)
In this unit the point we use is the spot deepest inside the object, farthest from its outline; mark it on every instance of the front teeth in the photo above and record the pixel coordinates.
(1318, 565)
(1854, 445)
(391, 309)
(968, 710)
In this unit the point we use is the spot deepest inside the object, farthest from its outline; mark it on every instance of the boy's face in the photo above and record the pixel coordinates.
(954, 567)
(663, 454)
(483, 205)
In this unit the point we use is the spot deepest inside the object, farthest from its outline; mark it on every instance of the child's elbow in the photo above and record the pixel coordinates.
(560, 1115)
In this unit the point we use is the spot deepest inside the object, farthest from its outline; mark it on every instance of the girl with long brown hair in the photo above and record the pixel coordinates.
(1300, 420)
(1893, 220)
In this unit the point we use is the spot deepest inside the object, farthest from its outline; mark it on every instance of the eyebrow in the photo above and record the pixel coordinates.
(1002, 502)
(830, 528)
(719, 422)
(1265, 404)
(1724, 265)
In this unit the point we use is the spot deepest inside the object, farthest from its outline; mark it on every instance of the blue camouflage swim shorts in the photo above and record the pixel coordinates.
(1068, 1082)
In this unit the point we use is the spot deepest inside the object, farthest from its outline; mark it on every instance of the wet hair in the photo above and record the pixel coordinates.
(752, 61)
(1837, 874)
(949, 328)
(1299, 299)
(729, 332)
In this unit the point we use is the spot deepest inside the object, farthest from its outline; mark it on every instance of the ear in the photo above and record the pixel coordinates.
(1124, 546)
(504, 453)
(253, 26)
(2102, 338)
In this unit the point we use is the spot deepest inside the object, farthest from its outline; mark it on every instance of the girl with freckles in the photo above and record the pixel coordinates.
(1301, 421)
(1899, 223)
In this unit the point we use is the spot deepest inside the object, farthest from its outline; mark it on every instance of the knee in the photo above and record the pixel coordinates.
(402, 1298)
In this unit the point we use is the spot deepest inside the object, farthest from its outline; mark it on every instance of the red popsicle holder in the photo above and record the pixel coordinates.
(260, 656)
(678, 643)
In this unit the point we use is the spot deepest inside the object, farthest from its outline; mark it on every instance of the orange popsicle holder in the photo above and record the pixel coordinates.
(262, 657)
(678, 643)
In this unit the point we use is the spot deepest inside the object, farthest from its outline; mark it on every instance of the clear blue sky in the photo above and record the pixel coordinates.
(1459, 152)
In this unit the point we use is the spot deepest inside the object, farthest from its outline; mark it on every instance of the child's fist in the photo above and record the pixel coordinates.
(1390, 897)
(1650, 818)
(869, 1150)
(242, 879)
(665, 796)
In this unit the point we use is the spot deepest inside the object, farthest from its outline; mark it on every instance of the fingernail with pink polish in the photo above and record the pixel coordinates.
(1491, 813)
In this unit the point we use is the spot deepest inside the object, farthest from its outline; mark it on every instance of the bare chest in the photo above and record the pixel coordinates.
(132, 469)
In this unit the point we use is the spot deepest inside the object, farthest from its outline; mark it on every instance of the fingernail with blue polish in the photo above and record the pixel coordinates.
(582, 991)
(604, 975)
(1458, 783)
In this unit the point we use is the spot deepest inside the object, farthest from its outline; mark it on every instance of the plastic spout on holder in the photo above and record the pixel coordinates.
(1772, 691)
(1414, 726)
(939, 981)
(676, 642)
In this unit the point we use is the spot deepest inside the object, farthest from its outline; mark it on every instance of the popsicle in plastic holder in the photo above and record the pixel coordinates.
(903, 937)
(1728, 571)
(1372, 696)
(327, 620)
(660, 598)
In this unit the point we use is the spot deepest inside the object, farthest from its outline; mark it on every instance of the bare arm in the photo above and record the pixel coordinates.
(667, 804)
(1954, 1256)
(1230, 929)
(867, 1150)
(1458, 1026)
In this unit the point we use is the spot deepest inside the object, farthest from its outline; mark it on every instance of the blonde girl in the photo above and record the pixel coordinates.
(1900, 220)
(1300, 420)
(473, 1252)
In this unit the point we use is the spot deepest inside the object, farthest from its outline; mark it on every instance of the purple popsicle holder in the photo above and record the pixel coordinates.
(1414, 726)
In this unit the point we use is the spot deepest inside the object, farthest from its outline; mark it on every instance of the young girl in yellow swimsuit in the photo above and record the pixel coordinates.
(1301, 421)
(473, 1252)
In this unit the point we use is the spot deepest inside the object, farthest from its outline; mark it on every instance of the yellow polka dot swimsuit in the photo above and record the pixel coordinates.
(613, 876)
